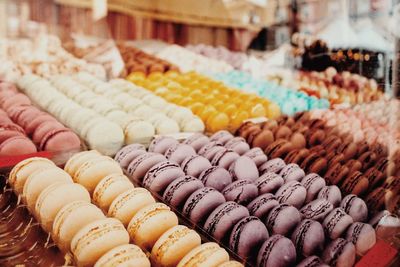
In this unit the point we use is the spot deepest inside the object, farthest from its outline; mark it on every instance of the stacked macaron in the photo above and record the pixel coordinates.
(239, 196)
(166, 118)
(219, 106)
(151, 225)
(63, 209)
(137, 60)
(45, 131)
(187, 60)
(289, 101)
(99, 132)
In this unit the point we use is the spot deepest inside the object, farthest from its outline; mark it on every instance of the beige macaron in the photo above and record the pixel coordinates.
(207, 255)
(96, 239)
(128, 203)
(109, 188)
(124, 255)
(70, 219)
(75, 162)
(23, 169)
(40, 180)
(173, 245)
(149, 223)
(54, 197)
(91, 172)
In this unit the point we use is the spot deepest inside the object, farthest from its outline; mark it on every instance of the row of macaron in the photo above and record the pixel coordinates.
(200, 201)
(219, 106)
(26, 129)
(357, 168)
(61, 203)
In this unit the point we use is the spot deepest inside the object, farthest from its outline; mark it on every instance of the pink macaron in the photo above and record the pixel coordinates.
(16, 100)
(44, 128)
(60, 140)
(17, 145)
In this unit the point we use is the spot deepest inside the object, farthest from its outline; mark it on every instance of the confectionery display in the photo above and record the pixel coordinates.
(130, 136)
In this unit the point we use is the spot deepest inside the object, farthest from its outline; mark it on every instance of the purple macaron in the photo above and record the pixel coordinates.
(201, 203)
(308, 237)
(179, 152)
(355, 207)
(129, 153)
(212, 151)
(161, 175)
(292, 172)
(180, 189)
(257, 155)
(195, 165)
(277, 251)
(247, 236)
(243, 168)
(313, 183)
(238, 144)
(340, 252)
(142, 164)
(269, 182)
(282, 219)
(316, 209)
(362, 235)
(221, 221)
(336, 223)
(197, 141)
(161, 144)
(312, 261)
(292, 193)
(241, 192)
(224, 158)
(332, 194)
(221, 136)
(207, 147)
(216, 177)
(262, 205)
(273, 165)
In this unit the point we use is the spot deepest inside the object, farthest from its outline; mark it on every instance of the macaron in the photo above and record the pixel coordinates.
(221, 221)
(195, 165)
(56, 196)
(161, 175)
(244, 168)
(224, 158)
(292, 172)
(269, 182)
(174, 245)
(355, 184)
(76, 161)
(336, 223)
(316, 209)
(207, 255)
(238, 144)
(332, 194)
(312, 261)
(92, 171)
(282, 219)
(60, 140)
(262, 205)
(178, 191)
(313, 183)
(231, 264)
(23, 169)
(292, 193)
(17, 145)
(257, 155)
(355, 207)
(128, 203)
(70, 219)
(339, 252)
(125, 255)
(204, 150)
(196, 141)
(336, 173)
(241, 192)
(201, 203)
(273, 165)
(221, 136)
(362, 235)
(96, 239)
(179, 152)
(149, 223)
(142, 164)
(161, 144)
(215, 177)
(109, 188)
(40, 180)
(308, 237)
(247, 236)
(277, 251)
(129, 153)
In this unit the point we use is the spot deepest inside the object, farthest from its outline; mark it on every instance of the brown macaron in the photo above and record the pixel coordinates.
(313, 160)
(355, 183)
(367, 159)
(283, 132)
(263, 139)
(319, 149)
(298, 140)
(353, 165)
(252, 135)
(377, 199)
(246, 131)
(392, 183)
(338, 158)
(315, 137)
(375, 178)
(336, 173)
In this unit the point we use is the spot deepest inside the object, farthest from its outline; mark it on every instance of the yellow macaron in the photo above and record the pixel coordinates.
(124, 255)
(78, 159)
(207, 255)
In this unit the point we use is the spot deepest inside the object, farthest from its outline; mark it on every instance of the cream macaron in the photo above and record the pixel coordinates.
(92, 171)
(70, 219)
(149, 223)
(40, 180)
(76, 161)
(96, 239)
(173, 245)
(207, 255)
(23, 169)
(124, 255)
(128, 203)
(109, 188)
(54, 197)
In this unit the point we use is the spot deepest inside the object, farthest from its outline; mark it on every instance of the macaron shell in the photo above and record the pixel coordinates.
(207, 255)
(76, 161)
(149, 223)
(70, 219)
(124, 255)
(173, 245)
